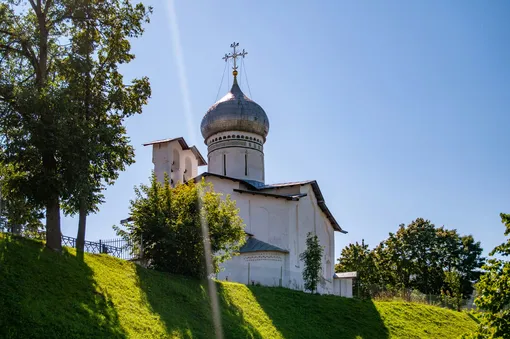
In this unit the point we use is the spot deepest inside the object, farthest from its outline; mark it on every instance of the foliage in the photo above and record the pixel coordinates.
(29, 102)
(358, 258)
(453, 290)
(99, 42)
(312, 258)
(45, 69)
(416, 257)
(494, 291)
(104, 297)
(171, 223)
(19, 214)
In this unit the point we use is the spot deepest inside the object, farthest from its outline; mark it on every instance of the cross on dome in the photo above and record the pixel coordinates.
(234, 55)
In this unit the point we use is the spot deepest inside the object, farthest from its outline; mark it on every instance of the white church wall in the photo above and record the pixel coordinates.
(223, 186)
(268, 218)
(285, 224)
(312, 219)
(265, 217)
(161, 160)
(265, 268)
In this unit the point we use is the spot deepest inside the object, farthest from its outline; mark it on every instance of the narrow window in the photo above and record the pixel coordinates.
(224, 164)
(246, 164)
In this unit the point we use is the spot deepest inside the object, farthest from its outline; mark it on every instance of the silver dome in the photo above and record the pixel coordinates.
(235, 112)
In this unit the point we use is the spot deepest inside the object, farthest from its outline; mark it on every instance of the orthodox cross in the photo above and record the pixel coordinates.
(234, 56)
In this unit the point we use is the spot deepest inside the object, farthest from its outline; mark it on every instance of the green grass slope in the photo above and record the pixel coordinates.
(49, 295)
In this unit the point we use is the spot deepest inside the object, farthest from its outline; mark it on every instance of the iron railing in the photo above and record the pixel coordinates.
(120, 248)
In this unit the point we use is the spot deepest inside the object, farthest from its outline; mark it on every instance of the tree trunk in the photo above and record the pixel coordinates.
(83, 210)
(16, 229)
(82, 223)
(53, 233)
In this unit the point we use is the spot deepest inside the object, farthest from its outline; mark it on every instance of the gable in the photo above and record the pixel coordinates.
(289, 191)
(184, 147)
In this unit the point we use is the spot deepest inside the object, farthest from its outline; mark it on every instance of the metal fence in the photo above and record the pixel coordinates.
(429, 299)
(120, 248)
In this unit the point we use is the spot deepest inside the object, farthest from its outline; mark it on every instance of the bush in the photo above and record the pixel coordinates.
(176, 226)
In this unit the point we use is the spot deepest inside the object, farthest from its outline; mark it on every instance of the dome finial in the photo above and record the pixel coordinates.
(234, 56)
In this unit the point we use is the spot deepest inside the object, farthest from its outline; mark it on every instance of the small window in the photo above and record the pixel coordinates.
(224, 164)
(238, 137)
(246, 164)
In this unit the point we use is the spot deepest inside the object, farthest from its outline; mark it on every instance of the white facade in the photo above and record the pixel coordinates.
(280, 222)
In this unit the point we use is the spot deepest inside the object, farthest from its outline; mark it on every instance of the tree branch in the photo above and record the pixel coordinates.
(9, 33)
(47, 6)
(34, 6)
(12, 49)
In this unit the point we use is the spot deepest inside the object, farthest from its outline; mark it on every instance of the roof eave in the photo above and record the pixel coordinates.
(184, 146)
(254, 251)
(286, 197)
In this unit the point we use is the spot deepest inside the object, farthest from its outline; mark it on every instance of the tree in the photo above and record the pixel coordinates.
(418, 255)
(43, 62)
(494, 291)
(312, 258)
(359, 258)
(30, 108)
(175, 223)
(99, 39)
(453, 290)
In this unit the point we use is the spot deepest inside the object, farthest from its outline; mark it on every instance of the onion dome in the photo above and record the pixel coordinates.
(235, 112)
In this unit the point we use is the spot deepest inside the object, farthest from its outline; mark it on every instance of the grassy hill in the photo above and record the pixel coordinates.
(49, 295)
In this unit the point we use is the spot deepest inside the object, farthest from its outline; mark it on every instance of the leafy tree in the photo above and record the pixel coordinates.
(30, 109)
(453, 291)
(99, 43)
(494, 291)
(49, 50)
(417, 255)
(312, 258)
(359, 258)
(470, 263)
(171, 223)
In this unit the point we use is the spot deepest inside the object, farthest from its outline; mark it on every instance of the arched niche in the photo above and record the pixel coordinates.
(187, 168)
(176, 161)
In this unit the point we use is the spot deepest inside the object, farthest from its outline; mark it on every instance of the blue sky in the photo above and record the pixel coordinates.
(399, 109)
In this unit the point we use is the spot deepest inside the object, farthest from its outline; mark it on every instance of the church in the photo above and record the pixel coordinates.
(277, 217)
